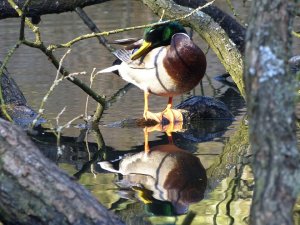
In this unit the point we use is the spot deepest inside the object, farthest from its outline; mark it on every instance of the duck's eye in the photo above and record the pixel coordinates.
(151, 31)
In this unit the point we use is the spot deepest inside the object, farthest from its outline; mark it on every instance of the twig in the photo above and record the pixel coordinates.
(59, 115)
(92, 169)
(98, 155)
(35, 29)
(162, 15)
(56, 81)
(100, 108)
(22, 27)
(92, 77)
(230, 5)
(68, 124)
(58, 130)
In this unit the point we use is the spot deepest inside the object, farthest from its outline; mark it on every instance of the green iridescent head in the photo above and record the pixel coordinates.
(161, 35)
(156, 36)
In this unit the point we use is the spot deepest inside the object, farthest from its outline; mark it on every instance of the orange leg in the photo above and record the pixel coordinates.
(172, 115)
(173, 127)
(147, 114)
(169, 128)
(146, 138)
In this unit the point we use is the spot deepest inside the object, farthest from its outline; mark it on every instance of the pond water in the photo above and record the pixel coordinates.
(227, 196)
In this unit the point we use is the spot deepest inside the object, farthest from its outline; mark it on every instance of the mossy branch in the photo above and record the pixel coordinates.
(20, 12)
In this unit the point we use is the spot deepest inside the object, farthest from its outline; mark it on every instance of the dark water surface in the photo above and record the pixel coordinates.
(226, 200)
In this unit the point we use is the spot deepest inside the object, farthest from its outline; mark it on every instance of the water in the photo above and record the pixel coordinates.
(226, 200)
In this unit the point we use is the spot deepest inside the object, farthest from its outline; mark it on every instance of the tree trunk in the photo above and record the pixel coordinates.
(38, 7)
(270, 97)
(35, 191)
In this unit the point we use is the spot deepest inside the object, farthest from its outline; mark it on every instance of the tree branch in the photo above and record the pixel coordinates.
(42, 7)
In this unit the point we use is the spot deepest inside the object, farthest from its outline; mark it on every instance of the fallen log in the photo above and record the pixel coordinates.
(33, 190)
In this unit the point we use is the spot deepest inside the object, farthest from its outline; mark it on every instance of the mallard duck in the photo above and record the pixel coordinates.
(167, 63)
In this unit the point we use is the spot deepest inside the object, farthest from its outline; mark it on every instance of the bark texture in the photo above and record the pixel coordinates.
(270, 97)
(41, 7)
(215, 36)
(33, 190)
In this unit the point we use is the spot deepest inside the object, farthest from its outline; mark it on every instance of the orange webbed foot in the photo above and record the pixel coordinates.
(172, 115)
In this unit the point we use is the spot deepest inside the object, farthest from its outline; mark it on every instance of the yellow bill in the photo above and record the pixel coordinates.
(144, 49)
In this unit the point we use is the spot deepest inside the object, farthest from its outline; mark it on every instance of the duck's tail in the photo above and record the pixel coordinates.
(113, 68)
(108, 166)
(122, 56)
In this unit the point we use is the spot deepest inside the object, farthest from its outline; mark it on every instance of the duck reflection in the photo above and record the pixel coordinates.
(166, 178)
